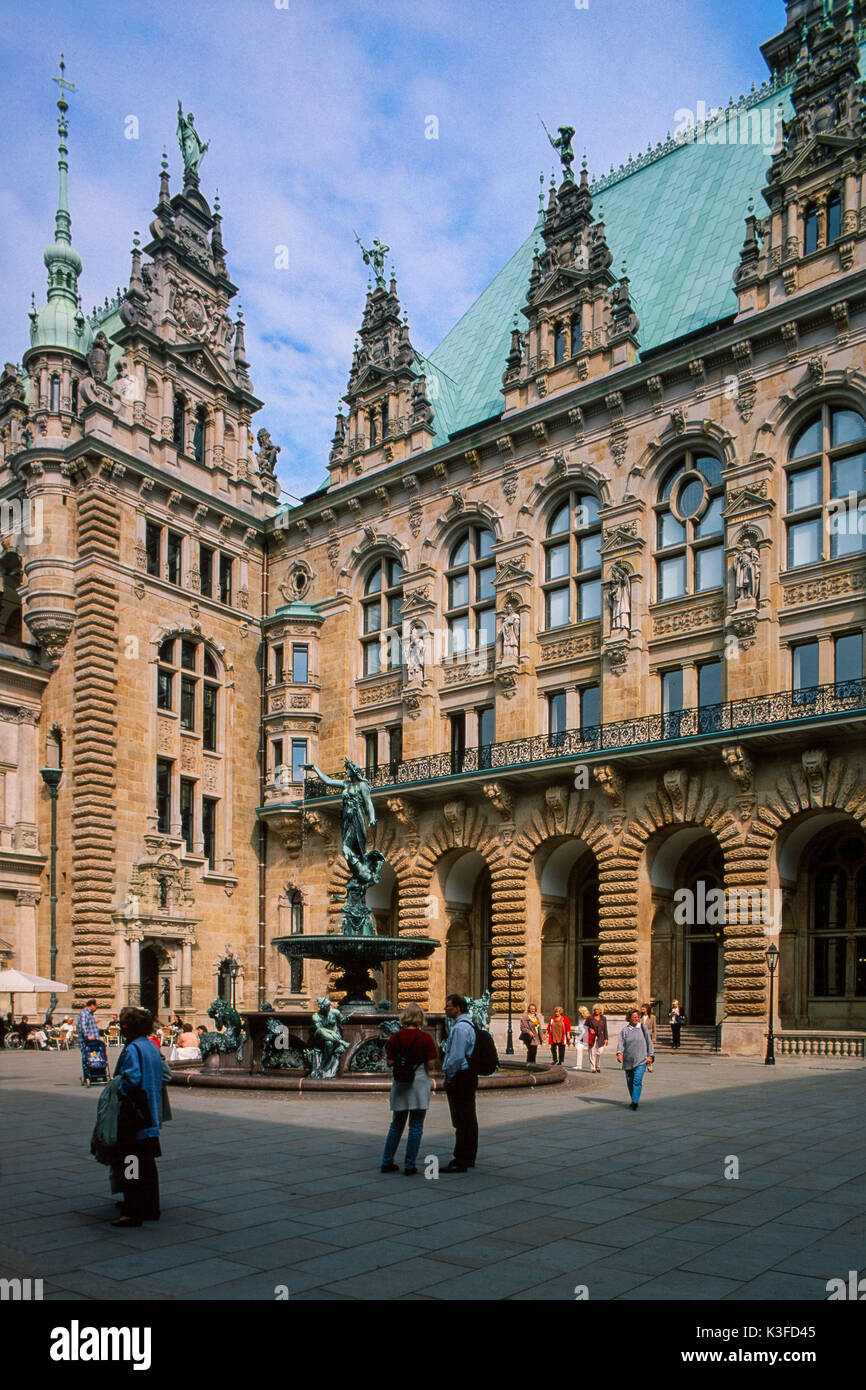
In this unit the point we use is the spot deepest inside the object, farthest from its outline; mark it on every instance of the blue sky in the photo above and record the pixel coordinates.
(316, 115)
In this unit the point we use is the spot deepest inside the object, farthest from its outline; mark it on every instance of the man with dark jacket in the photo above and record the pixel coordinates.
(461, 1083)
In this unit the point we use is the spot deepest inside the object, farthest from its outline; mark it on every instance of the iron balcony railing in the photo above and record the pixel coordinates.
(649, 730)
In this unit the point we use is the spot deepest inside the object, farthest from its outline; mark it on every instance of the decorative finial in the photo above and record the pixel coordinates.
(164, 161)
(751, 207)
(136, 241)
(216, 202)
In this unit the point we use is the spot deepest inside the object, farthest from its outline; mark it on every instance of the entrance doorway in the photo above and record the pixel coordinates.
(703, 981)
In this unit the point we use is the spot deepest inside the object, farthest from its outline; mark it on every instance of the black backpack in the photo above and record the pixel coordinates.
(484, 1059)
(403, 1066)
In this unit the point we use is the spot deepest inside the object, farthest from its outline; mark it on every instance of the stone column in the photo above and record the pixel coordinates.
(186, 975)
(27, 952)
(121, 969)
(134, 986)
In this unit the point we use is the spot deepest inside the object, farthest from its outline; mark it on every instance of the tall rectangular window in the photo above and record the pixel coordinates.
(187, 703)
(299, 757)
(209, 718)
(557, 717)
(172, 553)
(205, 569)
(225, 579)
(848, 661)
(163, 796)
(709, 696)
(486, 734)
(276, 753)
(395, 745)
(371, 754)
(300, 665)
(804, 673)
(277, 662)
(590, 711)
(164, 681)
(208, 830)
(187, 807)
(152, 546)
(457, 732)
(672, 702)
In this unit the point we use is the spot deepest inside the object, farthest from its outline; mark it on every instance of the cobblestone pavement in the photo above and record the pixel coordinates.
(265, 1192)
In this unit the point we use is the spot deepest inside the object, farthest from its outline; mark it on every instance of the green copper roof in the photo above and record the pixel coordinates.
(676, 218)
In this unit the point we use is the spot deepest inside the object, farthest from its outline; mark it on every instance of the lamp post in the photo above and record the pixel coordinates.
(233, 975)
(772, 962)
(510, 962)
(51, 776)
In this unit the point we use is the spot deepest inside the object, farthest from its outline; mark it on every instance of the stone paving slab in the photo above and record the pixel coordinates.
(258, 1192)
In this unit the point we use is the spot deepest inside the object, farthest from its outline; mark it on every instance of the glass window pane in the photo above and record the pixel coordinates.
(372, 662)
(557, 608)
(589, 708)
(484, 582)
(828, 980)
(557, 561)
(670, 531)
(187, 654)
(848, 475)
(590, 600)
(710, 467)
(486, 625)
(560, 521)
(845, 535)
(672, 691)
(804, 543)
(395, 572)
(485, 544)
(166, 651)
(460, 552)
(590, 552)
(846, 426)
(458, 591)
(187, 703)
(372, 616)
(395, 611)
(805, 666)
(374, 583)
(849, 657)
(486, 726)
(804, 489)
(458, 629)
(709, 568)
(163, 690)
(300, 665)
(808, 441)
(710, 683)
(299, 757)
(556, 713)
(209, 718)
(672, 577)
(210, 668)
(711, 522)
(690, 497)
(670, 480)
(586, 511)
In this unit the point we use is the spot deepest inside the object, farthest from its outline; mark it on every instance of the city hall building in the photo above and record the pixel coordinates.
(584, 592)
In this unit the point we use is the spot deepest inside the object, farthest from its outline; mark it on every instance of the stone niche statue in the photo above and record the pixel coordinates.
(509, 635)
(747, 573)
(328, 1042)
(415, 654)
(619, 599)
(267, 455)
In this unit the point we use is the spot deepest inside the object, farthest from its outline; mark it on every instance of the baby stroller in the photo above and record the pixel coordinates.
(95, 1062)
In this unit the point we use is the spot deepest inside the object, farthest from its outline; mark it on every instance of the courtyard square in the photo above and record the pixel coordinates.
(270, 1196)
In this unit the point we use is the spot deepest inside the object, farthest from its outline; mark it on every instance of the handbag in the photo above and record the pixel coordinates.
(527, 1039)
(590, 1037)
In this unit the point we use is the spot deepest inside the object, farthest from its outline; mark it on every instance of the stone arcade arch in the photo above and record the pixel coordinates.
(567, 882)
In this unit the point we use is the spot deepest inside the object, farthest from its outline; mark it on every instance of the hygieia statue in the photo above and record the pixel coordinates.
(357, 814)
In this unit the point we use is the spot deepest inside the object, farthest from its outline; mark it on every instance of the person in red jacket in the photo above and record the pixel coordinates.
(559, 1034)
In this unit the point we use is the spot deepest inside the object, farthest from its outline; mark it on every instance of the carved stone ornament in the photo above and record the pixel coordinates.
(616, 650)
(502, 799)
(404, 812)
(814, 762)
(556, 800)
(611, 782)
(740, 767)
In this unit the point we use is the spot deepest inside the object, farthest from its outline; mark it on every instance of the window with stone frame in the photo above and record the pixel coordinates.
(178, 423)
(825, 487)
(689, 529)
(836, 876)
(382, 617)
(470, 611)
(572, 562)
(188, 674)
(199, 435)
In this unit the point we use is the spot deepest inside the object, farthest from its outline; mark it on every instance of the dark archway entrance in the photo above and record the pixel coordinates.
(149, 980)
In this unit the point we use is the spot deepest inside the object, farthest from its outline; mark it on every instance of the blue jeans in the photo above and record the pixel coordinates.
(413, 1143)
(634, 1081)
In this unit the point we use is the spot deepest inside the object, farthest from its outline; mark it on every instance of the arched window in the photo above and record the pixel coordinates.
(689, 528)
(187, 681)
(178, 426)
(199, 436)
(572, 562)
(381, 617)
(826, 485)
(834, 218)
(559, 343)
(471, 599)
(810, 234)
(55, 394)
(837, 918)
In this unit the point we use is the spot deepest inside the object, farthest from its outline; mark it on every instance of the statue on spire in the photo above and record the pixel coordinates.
(191, 145)
(375, 257)
(564, 149)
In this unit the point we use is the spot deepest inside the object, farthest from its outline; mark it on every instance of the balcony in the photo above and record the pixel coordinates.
(779, 713)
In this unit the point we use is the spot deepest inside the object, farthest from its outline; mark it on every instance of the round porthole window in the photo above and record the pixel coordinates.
(690, 499)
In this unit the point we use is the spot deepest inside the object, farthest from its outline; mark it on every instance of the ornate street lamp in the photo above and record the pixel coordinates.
(51, 776)
(510, 962)
(233, 975)
(772, 962)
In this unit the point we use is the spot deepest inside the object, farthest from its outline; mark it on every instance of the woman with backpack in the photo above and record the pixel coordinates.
(412, 1057)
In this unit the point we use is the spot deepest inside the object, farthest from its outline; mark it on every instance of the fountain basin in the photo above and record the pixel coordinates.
(356, 956)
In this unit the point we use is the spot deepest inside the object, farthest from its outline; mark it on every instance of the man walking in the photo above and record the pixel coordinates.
(634, 1050)
(461, 1083)
(86, 1030)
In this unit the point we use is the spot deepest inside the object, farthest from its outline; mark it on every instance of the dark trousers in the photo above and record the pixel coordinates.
(137, 1178)
(531, 1052)
(557, 1051)
(675, 1034)
(461, 1103)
